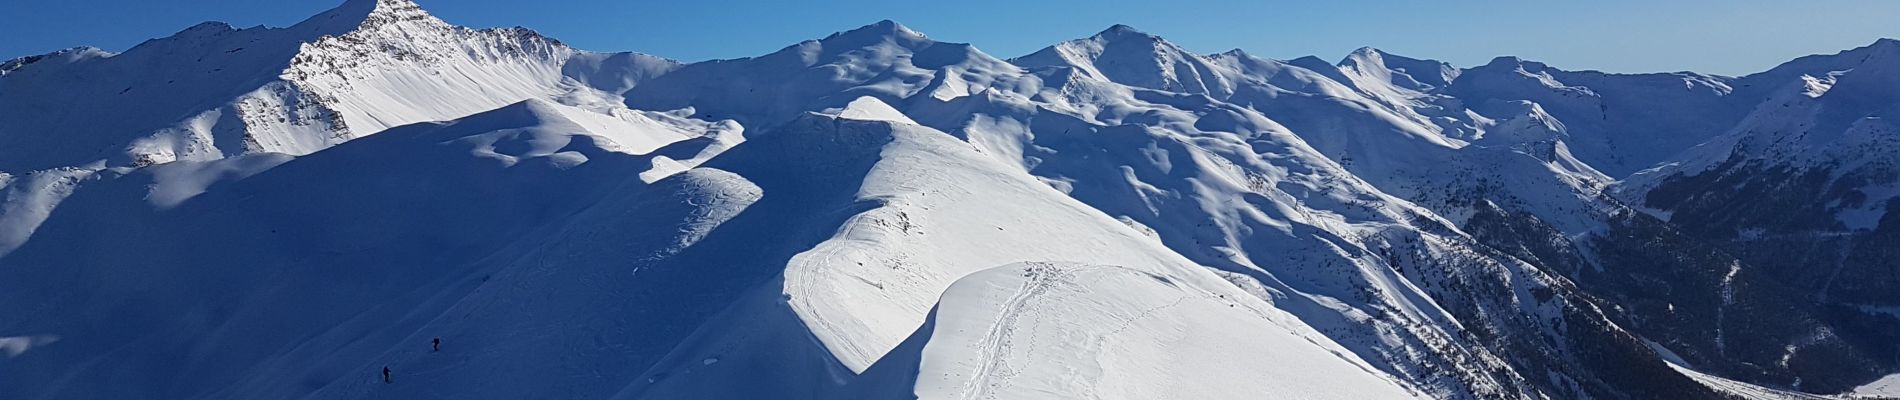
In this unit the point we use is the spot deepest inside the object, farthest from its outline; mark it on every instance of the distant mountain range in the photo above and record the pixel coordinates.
(285, 212)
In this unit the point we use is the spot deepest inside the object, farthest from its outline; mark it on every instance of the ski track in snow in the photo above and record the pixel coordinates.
(999, 340)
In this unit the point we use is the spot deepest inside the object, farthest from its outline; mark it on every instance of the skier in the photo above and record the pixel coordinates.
(436, 344)
(385, 374)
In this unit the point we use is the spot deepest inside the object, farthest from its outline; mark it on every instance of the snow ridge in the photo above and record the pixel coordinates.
(878, 214)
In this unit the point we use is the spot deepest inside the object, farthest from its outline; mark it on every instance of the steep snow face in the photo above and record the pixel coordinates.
(370, 77)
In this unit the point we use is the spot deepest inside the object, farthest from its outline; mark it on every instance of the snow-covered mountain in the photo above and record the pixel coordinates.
(1801, 187)
(286, 212)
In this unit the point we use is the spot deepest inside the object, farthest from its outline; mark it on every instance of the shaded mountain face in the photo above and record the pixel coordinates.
(1801, 187)
(283, 212)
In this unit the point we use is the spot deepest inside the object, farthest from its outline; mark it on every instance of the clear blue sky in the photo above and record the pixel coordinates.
(1725, 37)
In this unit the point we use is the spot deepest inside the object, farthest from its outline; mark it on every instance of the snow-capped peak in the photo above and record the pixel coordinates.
(1120, 32)
(354, 15)
(1409, 73)
(1128, 56)
(213, 91)
(1234, 53)
(876, 32)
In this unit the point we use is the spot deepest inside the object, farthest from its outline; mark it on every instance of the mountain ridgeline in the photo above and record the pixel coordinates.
(307, 212)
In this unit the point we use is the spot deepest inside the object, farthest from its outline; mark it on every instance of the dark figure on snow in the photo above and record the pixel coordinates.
(435, 345)
(385, 374)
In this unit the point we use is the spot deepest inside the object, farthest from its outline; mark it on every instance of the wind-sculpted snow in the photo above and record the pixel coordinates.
(284, 212)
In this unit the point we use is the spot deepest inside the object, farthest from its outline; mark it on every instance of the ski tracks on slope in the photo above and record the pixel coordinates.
(998, 342)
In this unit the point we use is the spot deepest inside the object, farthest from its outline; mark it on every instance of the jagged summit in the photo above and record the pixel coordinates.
(355, 15)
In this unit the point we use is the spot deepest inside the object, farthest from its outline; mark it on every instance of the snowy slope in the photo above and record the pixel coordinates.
(536, 222)
(1618, 123)
(1833, 118)
(267, 270)
(213, 91)
(1371, 270)
(1541, 199)
(878, 214)
(1887, 386)
(1374, 120)
(1803, 188)
(1060, 331)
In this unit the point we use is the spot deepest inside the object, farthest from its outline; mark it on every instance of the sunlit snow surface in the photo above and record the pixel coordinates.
(1888, 386)
(285, 212)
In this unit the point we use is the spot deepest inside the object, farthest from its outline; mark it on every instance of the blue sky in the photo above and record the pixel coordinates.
(1726, 37)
